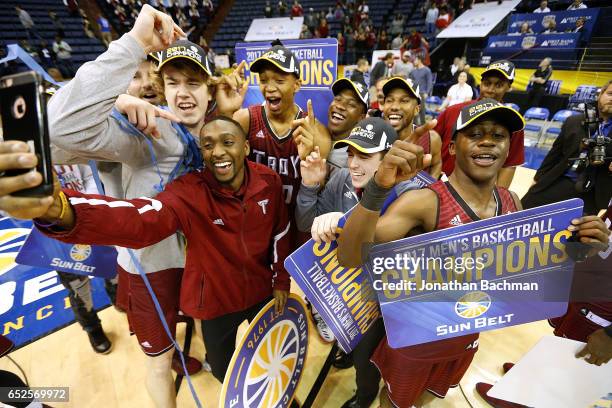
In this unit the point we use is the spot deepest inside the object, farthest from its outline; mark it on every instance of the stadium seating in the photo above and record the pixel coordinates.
(535, 123)
(513, 106)
(431, 103)
(554, 126)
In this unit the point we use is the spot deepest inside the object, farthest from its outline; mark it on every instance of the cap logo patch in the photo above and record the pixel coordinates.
(277, 56)
(481, 107)
(190, 52)
(500, 65)
(365, 133)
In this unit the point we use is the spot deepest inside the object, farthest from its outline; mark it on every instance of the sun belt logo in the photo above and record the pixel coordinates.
(528, 42)
(266, 368)
(472, 305)
(80, 252)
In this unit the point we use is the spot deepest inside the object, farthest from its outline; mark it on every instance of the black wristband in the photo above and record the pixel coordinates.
(374, 196)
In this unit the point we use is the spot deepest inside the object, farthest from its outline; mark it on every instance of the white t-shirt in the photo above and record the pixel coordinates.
(581, 6)
(459, 93)
(539, 10)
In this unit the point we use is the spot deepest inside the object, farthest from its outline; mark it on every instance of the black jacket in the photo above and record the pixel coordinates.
(565, 146)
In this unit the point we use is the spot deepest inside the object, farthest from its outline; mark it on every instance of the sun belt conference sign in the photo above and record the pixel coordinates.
(485, 275)
(266, 367)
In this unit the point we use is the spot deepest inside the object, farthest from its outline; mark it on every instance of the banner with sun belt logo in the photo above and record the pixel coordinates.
(343, 296)
(318, 59)
(266, 367)
(33, 302)
(485, 275)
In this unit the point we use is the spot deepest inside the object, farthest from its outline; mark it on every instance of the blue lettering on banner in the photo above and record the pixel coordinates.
(343, 296)
(485, 275)
(33, 302)
(318, 61)
(516, 43)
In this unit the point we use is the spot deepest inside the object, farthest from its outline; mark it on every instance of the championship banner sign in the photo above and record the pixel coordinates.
(343, 296)
(564, 20)
(266, 367)
(33, 302)
(485, 275)
(42, 251)
(318, 71)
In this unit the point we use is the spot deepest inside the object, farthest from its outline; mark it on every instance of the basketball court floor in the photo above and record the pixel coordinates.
(66, 359)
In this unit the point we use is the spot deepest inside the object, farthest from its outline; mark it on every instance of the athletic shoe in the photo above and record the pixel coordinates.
(355, 403)
(192, 365)
(483, 388)
(507, 367)
(99, 342)
(324, 331)
(342, 360)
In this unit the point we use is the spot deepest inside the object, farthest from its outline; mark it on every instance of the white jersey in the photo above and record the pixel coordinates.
(77, 177)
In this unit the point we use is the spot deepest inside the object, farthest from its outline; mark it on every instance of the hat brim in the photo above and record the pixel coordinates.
(503, 114)
(198, 63)
(362, 147)
(496, 71)
(399, 83)
(259, 64)
(342, 84)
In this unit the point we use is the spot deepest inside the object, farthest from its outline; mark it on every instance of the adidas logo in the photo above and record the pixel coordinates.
(146, 344)
(218, 221)
(260, 134)
(456, 220)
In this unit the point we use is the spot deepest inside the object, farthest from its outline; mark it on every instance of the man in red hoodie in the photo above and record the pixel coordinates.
(232, 213)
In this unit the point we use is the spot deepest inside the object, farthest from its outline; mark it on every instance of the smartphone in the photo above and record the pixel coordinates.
(24, 117)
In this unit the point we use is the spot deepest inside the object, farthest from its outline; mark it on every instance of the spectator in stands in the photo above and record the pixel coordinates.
(363, 8)
(414, 42)
(282, 8)
(45, 54)
(323, 28)
(543, 7)
(444, 18)
(363, 66)
(378, 101)
(268, 10)
(194, 16)
(305, 34)
(296, 9)
(349, 36)
(105, 30)
(87, 28)
(430, 19)
(397, 42)
(330, 16)
(422, 81)
(339, 12)
(551, 28)
(383, 41)
(579, 26)
(382, 69)
(208, 7)
(361, 43)
(403, 67)
(341, 47)
(310, 19)
(577, 5)
(525, 29)
(556, 181)
(397, 26)
(538, 83)
(456, 66)
(63, 51)
(59, 27)
(471, 81)
(27, 23)
(458, 93)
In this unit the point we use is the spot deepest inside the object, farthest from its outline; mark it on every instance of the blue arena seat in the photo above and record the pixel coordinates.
(536, 119)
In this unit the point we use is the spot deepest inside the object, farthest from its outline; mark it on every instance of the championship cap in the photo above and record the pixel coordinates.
(399, 82)
(489, 108)
(371, 135)
(504, 67)
(187, 50)
(359, 88)
(279, 56)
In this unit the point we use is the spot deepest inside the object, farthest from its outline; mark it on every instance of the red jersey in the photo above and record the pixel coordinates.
(279, 154)
(425, 142)
(237, 242)
(453, 211)
(446, 124)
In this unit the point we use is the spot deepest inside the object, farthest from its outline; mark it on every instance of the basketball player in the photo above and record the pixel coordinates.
(83, 122)
(401, 106)
(280, 133)
(480, 144)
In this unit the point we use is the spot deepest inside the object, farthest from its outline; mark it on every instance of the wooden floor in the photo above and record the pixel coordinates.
(65, 358)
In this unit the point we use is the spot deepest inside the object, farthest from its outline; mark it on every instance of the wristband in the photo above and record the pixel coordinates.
(374, 196)
(64, 202)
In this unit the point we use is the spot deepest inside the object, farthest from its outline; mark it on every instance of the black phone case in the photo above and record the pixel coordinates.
(24, 117)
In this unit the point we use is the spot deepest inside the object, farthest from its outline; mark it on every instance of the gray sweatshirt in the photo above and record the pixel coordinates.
(81, 126)
(337, 196)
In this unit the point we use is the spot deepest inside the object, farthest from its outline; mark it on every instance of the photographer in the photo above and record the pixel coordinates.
(561, 178)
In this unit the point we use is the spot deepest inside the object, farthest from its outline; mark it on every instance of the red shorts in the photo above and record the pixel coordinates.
(582, 319)
(142, 316)
(407, 378)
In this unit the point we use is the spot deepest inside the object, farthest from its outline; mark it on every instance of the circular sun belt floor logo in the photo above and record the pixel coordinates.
(80, 252)
(267, 366)
(473, 304)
